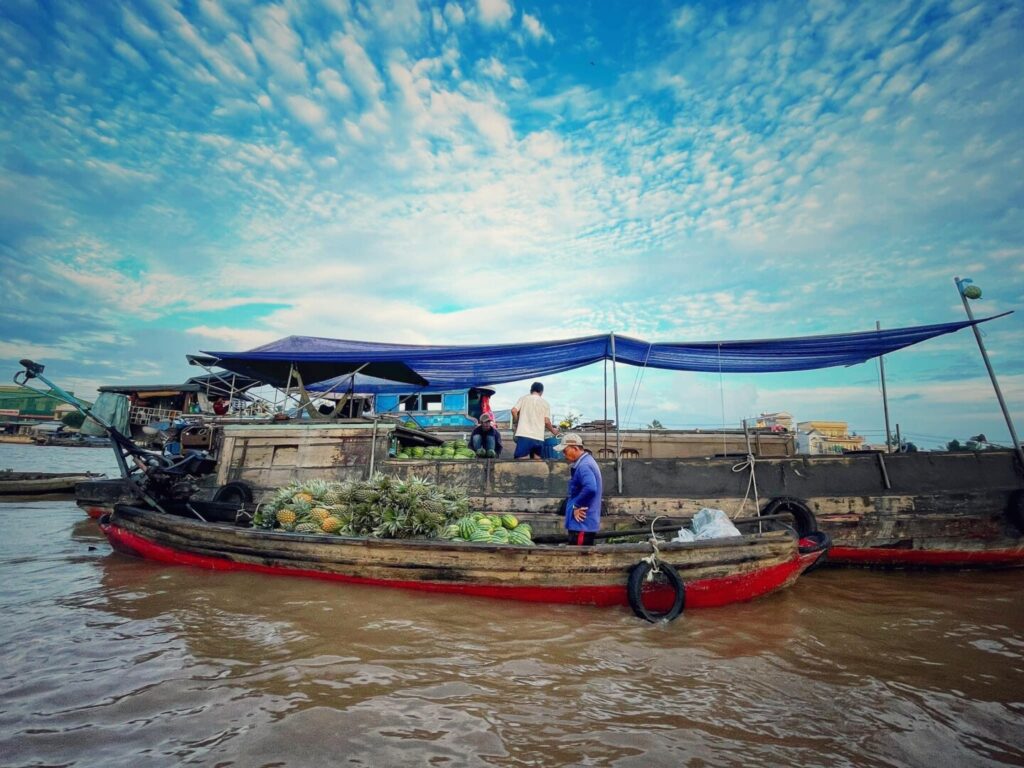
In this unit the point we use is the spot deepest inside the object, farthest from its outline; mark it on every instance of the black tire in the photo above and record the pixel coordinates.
(803, 519)
(635, 586)
(1015, 510)
(237, 492)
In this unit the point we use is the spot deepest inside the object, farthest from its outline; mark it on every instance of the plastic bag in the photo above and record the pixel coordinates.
(685, 534)
(713, 524)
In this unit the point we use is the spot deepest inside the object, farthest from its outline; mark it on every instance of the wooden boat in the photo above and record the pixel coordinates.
(39, 483)
(716, 572)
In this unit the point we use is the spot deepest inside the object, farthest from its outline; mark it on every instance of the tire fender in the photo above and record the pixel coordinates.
(804, 521)
(1015, 510)
(634, 588)
(236, 492)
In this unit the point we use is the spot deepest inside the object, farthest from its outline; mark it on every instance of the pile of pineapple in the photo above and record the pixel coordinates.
(384, 507)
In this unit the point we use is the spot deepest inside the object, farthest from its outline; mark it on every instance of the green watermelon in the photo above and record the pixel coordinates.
(509, 521)
(500, 536)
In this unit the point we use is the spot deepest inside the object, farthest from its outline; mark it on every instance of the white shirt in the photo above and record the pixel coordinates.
(533, 410)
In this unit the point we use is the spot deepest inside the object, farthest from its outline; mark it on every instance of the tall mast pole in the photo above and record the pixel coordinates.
(885, 397)
(991, 373)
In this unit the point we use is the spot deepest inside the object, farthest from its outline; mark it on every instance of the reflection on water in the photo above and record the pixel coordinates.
(113, 661)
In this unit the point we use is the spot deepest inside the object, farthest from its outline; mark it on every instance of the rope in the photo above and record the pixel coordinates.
(653, 558)
(637, 381)
(721, 393)
(751, 483)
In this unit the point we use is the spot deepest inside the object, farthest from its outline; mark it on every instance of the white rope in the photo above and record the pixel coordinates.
(721, 393)
(653, 558)
(637, 381)
(751, 483)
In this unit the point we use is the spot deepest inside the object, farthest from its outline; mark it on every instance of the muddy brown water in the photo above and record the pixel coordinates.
(110, 661)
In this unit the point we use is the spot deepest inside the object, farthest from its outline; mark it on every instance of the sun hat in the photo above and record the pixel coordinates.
(569, 438)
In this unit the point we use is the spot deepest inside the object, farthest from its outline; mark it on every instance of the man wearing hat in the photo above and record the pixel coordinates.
(485, 440)
(532, 418)
(583, 502)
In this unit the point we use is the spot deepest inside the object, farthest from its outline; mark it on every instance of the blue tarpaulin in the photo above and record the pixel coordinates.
(458, 367)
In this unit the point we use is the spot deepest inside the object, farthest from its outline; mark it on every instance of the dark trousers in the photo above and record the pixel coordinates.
(580, 538)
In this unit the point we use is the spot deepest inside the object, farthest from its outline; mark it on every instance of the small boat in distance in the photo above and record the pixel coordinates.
(41, 483)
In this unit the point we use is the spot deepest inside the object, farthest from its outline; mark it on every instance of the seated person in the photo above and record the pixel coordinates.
(485, 439)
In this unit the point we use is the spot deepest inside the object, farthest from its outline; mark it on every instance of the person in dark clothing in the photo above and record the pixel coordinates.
(583, 500)
(485, 439)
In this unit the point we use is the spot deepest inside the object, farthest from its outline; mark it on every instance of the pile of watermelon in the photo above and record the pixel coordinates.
(490, 529)
(453, 450)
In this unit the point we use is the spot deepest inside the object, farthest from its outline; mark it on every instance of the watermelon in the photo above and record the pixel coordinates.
(509, 521)
(500, 536)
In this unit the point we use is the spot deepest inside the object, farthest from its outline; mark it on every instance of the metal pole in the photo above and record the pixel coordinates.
(606, 406)
(991, 373)
(885, 397)
(373, 445)
(618, 433)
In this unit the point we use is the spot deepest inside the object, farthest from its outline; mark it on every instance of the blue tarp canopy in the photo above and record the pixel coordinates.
(332, 361)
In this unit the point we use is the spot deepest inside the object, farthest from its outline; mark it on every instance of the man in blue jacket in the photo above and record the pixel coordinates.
(583, 503)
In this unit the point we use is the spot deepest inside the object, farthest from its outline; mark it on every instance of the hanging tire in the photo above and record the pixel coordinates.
(237, 492)
(1015, 510)
(635, 590)
(804, 522)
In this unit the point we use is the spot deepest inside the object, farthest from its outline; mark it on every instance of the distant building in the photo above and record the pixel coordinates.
(825, 437)
(21, 408)
(776, 422)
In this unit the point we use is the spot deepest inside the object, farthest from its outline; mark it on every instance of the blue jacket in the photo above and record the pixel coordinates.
(585, 488)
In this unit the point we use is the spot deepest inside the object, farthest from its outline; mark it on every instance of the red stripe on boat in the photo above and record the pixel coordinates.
(704, 593)
(939, 557)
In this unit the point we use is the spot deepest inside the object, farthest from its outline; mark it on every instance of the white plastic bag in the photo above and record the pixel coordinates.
(685, 534)
(713, 524)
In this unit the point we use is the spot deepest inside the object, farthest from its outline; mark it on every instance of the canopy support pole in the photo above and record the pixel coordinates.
(885, 397)
(991, 373)
(618, 432)
(606, 406)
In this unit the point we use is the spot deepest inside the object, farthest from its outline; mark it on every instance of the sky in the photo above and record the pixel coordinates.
(217, 174)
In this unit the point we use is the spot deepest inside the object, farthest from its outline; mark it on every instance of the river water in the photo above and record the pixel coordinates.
(112, 661)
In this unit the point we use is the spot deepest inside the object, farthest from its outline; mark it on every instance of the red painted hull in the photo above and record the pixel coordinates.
(704, 593)
(96, 511)
(922, 558)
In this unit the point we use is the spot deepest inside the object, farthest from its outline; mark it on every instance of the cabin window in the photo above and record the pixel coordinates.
(431, 402)
(409, 403)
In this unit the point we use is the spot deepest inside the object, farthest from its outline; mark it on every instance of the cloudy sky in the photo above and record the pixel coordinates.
(215, 174)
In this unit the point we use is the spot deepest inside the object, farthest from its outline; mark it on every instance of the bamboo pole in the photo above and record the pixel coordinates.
(991, 373)
(885, 397)
(618, 432)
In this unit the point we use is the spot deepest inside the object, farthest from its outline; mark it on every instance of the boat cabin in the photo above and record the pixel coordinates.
(455, 408)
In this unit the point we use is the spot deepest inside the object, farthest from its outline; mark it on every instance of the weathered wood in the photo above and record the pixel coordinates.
(394, 560)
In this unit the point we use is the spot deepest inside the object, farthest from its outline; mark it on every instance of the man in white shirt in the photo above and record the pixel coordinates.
(532, 416)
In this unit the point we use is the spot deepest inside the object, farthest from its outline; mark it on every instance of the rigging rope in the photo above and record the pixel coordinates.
(749, 462)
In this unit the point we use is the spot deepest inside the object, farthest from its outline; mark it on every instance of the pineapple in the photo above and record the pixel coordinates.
(307, 528)
(286, 517)
(320, 514)
(317, 488)
(330, 524)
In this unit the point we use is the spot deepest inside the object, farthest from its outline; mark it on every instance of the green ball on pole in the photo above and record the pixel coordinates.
(972, 292)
